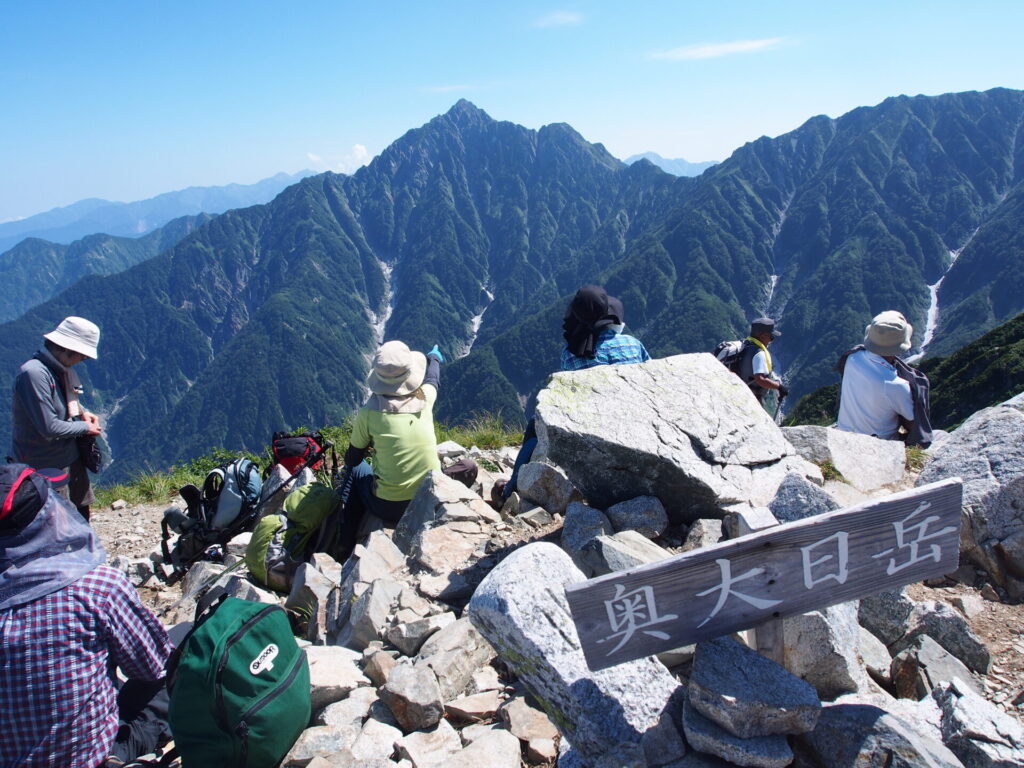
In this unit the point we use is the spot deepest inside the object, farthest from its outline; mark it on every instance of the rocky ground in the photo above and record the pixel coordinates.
(134, 532)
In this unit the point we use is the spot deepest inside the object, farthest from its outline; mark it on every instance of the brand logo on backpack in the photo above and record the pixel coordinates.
(265, 660)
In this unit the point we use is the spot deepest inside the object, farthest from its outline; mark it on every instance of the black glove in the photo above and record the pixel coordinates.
(783, 390)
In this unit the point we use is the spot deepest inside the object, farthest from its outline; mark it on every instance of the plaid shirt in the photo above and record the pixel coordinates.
(612, 349)
(58, 701)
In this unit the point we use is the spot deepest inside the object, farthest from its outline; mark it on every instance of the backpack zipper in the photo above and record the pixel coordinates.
(242, 729)
(224, 660)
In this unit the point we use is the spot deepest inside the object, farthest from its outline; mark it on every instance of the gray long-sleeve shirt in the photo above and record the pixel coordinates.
(42, 434)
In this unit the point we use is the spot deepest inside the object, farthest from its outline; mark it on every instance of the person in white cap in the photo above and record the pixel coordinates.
(47, 418)
(873, 398)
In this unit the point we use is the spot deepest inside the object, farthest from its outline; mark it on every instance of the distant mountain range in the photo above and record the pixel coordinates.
(677, 167)
(473, 233)
(35, 270)
(91, 216)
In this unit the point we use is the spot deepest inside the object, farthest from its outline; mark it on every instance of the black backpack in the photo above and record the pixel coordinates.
(227, 505)
(297, 450)
(729, 354)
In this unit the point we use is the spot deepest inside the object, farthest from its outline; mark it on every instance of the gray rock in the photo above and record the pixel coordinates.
(521, 608)
(821, 648)
(948, 628)
(865, 462)
(495, 749)
(243, 589)
(369, 616)
(378, 558)
(377, 664)
(431, 747)
(474, 708)
(851, 735)
(703, 533)
(977, 732)
(408, 638)
(582, 525)
(798, 499)
(443, 531)
(545, 485)
(747, 694)
(308, 598)
(645, 514)
(886, 615)
(333, 674)
(877, 660)
(413, 696)
(198, 577)
(638, 424)
(743, 519)
(987, 453)
(626, 549)
(922, 665)
(320, 741)
(350, 711)
(526, 723)
(455, 653)
(449, 449)
(377, 741)
(705, 735)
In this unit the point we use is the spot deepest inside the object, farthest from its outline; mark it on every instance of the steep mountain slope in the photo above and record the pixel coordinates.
(473, 233)
(265, 317)
(821, 228)
(35, 270)
(86, 217)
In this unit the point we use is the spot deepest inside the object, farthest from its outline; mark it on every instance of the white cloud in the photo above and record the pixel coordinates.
(559, 19)
(351, 161)
(714, 50)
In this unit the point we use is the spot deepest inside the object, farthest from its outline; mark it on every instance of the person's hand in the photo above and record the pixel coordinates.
(436, 353)
(783, 390)
(92, 418)
(94, 428)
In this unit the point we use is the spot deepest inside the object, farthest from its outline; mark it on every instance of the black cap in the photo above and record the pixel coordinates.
(764, 325)
(23, 491)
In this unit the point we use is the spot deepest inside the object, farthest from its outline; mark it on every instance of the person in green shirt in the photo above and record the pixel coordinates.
(398, 422)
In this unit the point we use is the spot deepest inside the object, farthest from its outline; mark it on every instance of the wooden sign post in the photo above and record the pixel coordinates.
(784, 571)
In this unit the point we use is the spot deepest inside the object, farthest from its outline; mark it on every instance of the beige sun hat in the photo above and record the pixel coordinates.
(888, 334)
(397, 370)
(77, 334)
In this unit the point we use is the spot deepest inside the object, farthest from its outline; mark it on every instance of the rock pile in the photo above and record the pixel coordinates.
(444, 644)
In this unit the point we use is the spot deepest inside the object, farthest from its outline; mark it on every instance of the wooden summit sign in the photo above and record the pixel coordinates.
(784, 571)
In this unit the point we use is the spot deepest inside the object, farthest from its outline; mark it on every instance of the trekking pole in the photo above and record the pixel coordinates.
(778, 410)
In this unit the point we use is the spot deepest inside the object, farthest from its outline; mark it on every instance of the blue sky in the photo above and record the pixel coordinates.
(125, 100)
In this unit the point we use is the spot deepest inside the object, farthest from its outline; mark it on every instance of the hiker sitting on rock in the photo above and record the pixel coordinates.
(398, 421)
(47, 418)
(755, 364)
(592, 329)
(873, 398)
(67, 621)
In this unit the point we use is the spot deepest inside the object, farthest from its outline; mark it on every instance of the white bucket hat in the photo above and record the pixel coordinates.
(397, 370)
(77, 334)
(889, 334)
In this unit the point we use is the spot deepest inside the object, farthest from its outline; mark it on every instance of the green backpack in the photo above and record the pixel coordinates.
(239, 687)
(281, 543)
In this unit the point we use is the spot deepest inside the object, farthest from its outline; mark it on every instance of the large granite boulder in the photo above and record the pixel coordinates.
(978, 732)
(865, 462)
(607, 715)
(987, 452)
(640, 426)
